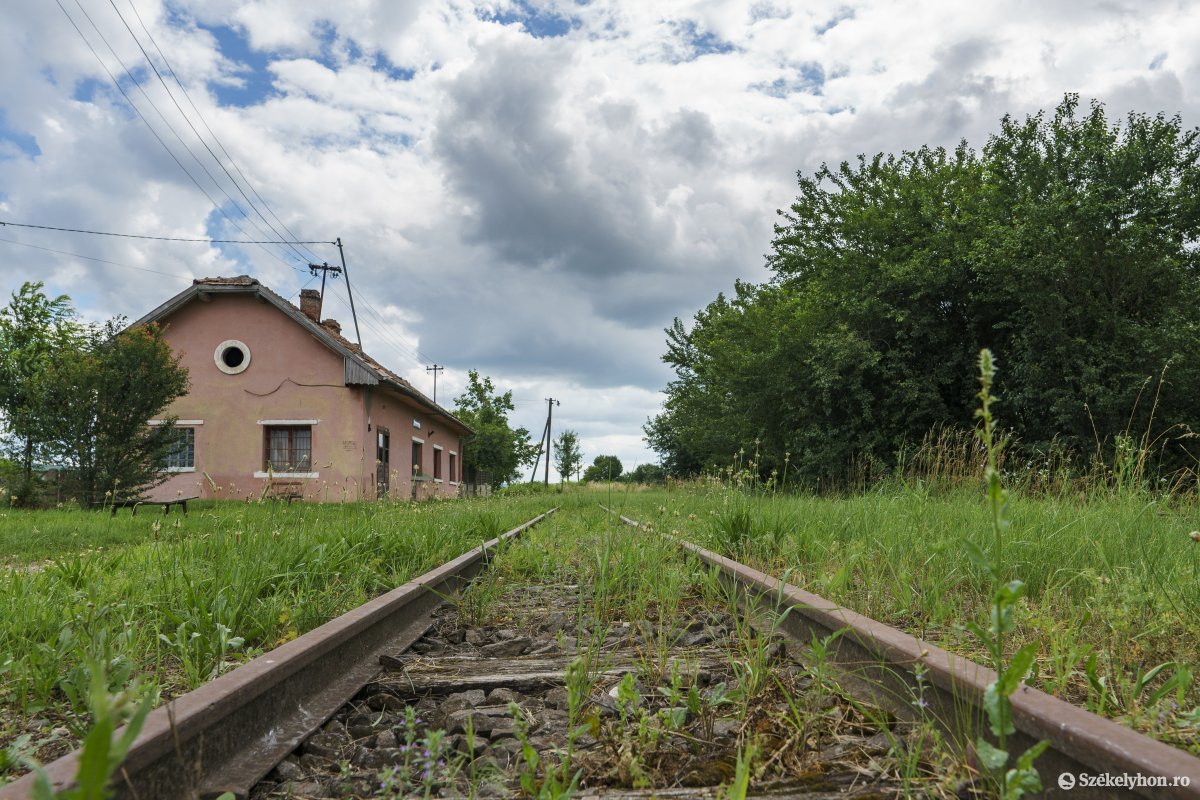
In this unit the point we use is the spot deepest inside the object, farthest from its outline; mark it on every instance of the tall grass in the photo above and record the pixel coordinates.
(1113, 578)
(178, 600)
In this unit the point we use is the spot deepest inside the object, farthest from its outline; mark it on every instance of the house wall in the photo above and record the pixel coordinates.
(397, 415)
(290, 376)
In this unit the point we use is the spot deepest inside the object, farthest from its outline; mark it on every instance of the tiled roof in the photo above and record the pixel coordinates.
(236, 280)
(384, 374)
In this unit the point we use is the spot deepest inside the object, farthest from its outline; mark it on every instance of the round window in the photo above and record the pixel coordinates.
(232, 356)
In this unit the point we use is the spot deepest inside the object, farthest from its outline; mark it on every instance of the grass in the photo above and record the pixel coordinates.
(176, 601)
(1113, 579)
(661, 714)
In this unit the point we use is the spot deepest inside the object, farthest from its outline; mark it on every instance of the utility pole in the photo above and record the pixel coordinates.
(324, 269)
(435, 369)
(542, 447)
(550, 404)
(349, 291)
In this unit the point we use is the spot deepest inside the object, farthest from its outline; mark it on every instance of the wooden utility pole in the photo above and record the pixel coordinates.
(435, 369)
(542, 446)
(349, 291)
(550, 404)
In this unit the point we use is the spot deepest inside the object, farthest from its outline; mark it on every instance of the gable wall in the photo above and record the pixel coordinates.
(291, 376)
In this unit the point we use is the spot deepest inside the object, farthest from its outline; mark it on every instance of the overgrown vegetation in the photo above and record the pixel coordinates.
(1111, 579)
(175, 601)
(497, 449)
(77, 398)
(1067, 246)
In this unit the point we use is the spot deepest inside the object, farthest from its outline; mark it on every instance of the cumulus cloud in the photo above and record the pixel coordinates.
(533, 188)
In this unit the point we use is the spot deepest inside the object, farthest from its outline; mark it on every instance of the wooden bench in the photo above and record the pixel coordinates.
(284, 490)
(135, 504)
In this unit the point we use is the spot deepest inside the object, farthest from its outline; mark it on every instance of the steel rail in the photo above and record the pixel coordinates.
(228, 734)
(882, 663)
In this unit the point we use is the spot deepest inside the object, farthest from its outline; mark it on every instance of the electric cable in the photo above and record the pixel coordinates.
(153, 238)
(142, 116)
(220, 144)
(93, 258)
(203, 143)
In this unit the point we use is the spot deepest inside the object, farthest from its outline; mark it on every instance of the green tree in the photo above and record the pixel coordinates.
(97, 402)
(567, 455)
(1067, 246)
(497, 448)
(648, 473)
(604, 468)
(33, 330)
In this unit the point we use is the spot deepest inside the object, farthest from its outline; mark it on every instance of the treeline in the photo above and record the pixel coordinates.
(1068, 246)
(74, 401)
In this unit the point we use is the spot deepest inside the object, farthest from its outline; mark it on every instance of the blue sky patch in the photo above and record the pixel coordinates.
(701, 44)
(841, 16)
(384, 65)
(539, 24)
(253, 69)
(13, 136)
(1158, 61)
(807, 78)
(26, 143)
(87, 89)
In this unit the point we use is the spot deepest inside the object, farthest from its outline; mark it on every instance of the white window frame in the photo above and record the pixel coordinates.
(287, 423)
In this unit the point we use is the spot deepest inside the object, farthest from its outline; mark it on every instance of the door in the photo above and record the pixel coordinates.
(383, 463)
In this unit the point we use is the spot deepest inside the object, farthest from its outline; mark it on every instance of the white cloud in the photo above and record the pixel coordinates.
(536, 208)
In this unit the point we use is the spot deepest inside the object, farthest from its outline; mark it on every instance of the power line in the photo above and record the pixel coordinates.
(387, 339)
(93, 258)
(421, 357)
(142, 116)
(183, 114)
(155, 238)
(170, 127)
(200, 116)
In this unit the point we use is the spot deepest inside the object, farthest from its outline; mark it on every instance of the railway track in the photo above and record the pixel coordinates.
(890, 666)
(614, 663)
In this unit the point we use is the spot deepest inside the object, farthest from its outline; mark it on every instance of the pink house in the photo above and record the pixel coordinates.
(281, 404)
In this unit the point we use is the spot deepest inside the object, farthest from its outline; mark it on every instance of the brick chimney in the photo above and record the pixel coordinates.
(310, 304)
(333, 325)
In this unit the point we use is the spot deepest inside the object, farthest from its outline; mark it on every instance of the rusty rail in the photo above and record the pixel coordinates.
(226, 735)
(881, 663)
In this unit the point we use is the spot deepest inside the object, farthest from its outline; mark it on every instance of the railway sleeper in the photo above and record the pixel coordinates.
(485, 711)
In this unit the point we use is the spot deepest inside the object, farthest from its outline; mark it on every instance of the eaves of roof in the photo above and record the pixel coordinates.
(354, 354)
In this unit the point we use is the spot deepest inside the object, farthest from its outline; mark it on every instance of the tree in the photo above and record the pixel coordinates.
(497, 448)
(604, 468)
(567, 455)
(79, 396)
(33, 329)
(1067, 246)
(97, 402)
(648, 473)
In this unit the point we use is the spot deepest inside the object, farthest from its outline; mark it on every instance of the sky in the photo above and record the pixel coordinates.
(531, 189)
